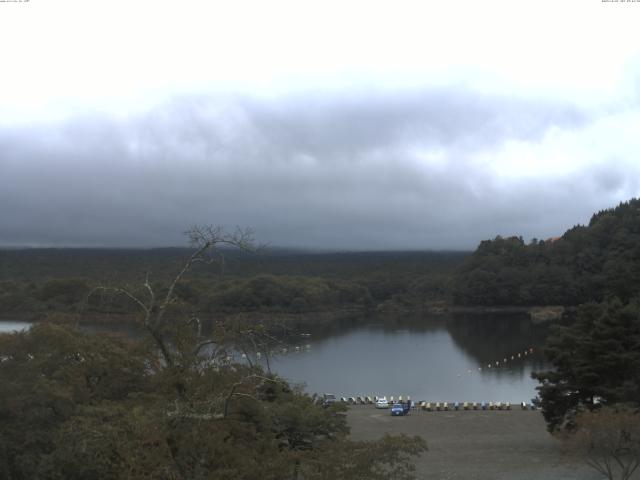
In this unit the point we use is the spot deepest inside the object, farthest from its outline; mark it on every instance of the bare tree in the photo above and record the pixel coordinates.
(609, 440)
(206, 242)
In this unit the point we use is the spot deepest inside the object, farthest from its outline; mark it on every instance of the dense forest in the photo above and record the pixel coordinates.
(39, 282)
(587, 263)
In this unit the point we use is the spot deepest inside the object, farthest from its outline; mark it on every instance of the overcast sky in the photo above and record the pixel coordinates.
(340, 125)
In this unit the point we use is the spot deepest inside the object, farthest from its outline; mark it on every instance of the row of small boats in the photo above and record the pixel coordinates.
(437, 406)
(444, 406)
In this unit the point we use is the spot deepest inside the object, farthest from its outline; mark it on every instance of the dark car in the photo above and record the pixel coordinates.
(400, 409)
(328, 399)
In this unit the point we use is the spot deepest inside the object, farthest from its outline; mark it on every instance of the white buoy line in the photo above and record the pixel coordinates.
(270, 353)
(505, 360)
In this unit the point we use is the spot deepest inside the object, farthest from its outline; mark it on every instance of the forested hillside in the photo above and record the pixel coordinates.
(587, 263)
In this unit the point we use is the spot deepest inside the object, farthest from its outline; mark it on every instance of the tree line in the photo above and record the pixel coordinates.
(36, 283)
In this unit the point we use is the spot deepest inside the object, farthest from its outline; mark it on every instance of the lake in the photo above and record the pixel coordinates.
(434, 359)
(444, 358)
(12, 326)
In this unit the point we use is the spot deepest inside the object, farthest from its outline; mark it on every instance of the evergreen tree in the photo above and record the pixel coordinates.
(595, 361)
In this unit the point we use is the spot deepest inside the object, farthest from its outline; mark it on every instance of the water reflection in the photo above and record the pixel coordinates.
(495, 337)
(443, 358)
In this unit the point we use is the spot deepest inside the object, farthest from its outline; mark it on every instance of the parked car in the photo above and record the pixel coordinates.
(382, 403)
(400, 409)
(328, 399)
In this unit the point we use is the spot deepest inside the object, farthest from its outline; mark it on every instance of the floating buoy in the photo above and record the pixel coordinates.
(518, 355)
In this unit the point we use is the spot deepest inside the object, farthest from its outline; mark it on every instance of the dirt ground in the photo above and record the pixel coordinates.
(476, 445)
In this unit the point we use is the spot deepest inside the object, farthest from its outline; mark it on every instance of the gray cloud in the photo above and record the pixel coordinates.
(318, 170)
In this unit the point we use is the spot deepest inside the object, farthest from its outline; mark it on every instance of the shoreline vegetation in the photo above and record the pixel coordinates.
(537, 314)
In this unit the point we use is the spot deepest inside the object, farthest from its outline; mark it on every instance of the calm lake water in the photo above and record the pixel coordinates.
(428, 359)
(434, 359)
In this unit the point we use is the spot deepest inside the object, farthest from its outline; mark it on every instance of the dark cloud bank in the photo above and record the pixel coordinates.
(368, 171)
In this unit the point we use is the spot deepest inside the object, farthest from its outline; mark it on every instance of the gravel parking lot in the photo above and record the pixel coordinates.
(476, 445)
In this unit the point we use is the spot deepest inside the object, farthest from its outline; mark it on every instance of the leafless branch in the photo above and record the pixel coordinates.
(206, 240)
(610, 441)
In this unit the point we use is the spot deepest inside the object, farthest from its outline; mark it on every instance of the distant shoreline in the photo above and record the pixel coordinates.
(538, 314)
